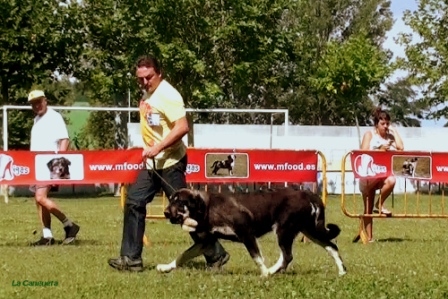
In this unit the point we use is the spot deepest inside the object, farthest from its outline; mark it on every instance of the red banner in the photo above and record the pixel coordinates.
(71, 167)
(122, 166)
(430, 166)
(208, 165)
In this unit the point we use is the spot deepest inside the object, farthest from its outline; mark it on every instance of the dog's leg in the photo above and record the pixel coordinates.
(414, 166)
(252, 246)
(285, 241)
(332, 250)
(195, 250)
(278, 265)
(337, 258)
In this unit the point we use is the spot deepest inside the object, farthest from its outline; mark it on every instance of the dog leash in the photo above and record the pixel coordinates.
(154, 171)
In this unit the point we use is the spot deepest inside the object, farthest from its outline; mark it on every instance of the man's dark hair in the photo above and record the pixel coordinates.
(149, 61)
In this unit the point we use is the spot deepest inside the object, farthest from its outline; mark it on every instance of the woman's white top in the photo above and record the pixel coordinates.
(377, 141)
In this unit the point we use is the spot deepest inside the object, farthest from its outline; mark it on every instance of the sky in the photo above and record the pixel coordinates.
(398, 7)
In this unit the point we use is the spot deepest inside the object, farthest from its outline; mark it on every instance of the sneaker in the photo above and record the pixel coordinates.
(124, 263)
(221, 261)
(383, 211)
(43, 242)
(70, 233)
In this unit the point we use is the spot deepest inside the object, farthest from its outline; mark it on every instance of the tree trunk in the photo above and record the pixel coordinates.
(190, 134)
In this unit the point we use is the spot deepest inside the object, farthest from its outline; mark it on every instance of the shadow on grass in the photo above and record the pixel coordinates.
(201, 266)
(57, 243)
(415, 240)
(396, 240)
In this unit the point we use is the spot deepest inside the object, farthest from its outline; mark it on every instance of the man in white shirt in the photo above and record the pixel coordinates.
(49, 133)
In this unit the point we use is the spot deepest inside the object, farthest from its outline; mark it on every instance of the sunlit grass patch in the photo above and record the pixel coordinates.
(407, 261)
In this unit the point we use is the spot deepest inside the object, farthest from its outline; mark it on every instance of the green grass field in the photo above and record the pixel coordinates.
(409, 260)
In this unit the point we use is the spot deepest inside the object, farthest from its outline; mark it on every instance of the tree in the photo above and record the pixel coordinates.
(325, 33)
(218, 54)
(427, 54)
(400, 98)
(37, 39)
(239, 54)
(347, 73)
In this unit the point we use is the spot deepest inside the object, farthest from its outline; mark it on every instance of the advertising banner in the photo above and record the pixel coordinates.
(429, 166)
(122, 166)
(217, 165)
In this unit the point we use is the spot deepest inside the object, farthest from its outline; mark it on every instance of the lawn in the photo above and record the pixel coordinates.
(407, 261)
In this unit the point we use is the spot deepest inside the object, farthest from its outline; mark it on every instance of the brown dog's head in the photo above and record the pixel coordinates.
(59, 168)
(184, 204)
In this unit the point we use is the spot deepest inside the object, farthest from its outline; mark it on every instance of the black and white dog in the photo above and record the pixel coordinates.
(59, 168)
(409, 167)
(229, 164)
(247, 216)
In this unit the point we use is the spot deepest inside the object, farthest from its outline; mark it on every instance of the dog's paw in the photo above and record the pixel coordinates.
(165, 268)
(342, 271)
(188, 228)
(189, 225)
(265, 273)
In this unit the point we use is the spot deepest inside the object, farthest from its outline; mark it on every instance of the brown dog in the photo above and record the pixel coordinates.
(247, 216)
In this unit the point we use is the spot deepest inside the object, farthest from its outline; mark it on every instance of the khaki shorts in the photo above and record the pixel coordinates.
(33, 188)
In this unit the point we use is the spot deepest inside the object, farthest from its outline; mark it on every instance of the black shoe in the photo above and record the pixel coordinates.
(124, 263)
(43, 242)
(70, 233)
(221, 261)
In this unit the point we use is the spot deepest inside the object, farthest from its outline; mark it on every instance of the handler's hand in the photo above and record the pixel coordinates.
(150, 152)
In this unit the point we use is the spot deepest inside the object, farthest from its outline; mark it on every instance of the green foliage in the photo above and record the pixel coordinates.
(37, 39)
(233, 54)
(327, 31)
(347, 78)
(219, 54)
(402, 102)
(427, 54)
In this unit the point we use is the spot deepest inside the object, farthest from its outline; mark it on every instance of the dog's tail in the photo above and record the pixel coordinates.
(214, 163)
(332, 231)
(329, 232)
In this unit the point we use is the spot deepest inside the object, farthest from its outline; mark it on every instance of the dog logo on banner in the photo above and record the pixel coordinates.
(365, 167)
(8, 170)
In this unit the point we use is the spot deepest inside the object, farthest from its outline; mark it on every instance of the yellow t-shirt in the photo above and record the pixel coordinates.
(158, 112)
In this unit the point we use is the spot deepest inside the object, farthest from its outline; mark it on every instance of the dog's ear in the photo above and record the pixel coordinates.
(174, 196)
(67, 161)
(178, 194)
(50, 163)
(197, 202)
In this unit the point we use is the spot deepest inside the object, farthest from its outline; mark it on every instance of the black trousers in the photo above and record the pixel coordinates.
(140, 194)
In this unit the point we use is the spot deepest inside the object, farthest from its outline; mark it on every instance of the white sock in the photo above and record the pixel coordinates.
(67, 222)
(47, 233)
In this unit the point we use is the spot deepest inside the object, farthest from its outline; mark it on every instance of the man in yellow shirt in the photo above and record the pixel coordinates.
(163, 124)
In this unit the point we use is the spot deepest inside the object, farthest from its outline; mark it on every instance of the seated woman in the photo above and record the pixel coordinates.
(383, 137)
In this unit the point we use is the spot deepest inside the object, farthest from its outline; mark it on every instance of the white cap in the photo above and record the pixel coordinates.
(35, 94)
